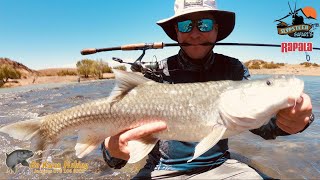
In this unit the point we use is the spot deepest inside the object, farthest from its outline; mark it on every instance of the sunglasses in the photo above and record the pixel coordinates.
(203, 25)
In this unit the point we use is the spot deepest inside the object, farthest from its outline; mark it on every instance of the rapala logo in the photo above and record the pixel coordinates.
(298, 28)
(296, 46)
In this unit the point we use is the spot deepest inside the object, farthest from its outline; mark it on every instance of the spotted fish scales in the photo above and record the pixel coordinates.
(193, 112)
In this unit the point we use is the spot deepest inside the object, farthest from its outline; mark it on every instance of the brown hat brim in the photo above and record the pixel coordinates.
(225, 20)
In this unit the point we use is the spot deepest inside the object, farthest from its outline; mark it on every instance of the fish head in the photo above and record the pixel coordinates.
(24, 154)
(250, 104)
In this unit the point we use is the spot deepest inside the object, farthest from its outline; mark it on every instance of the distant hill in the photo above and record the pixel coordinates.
(25, 71)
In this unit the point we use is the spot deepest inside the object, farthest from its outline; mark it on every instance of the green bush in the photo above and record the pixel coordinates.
(255, 66)
(123, 68)
(85, 67)
(94, 68)
(247, 64)
(271, 66)
(263, 62)
(306, 64)
(101, 67)
(256, 63)
(260, 64)
(66, 73)
(7, 72)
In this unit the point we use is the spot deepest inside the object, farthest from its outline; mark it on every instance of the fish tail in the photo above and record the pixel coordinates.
(25, 131)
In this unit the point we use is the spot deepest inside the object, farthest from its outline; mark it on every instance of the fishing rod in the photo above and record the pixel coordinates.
(161, 45)
(152, 71)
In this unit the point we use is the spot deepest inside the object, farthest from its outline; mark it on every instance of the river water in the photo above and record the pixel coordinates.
(296, 156)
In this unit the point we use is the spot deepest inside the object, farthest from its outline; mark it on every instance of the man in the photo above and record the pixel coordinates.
(197, 23)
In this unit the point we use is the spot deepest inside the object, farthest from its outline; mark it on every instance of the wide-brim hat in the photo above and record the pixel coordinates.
(225, 19)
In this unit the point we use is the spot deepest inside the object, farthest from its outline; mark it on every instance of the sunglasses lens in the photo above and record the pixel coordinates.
(205, 25)
(185, 26)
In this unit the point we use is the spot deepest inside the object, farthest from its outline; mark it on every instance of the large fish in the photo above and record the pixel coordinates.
(194, 112)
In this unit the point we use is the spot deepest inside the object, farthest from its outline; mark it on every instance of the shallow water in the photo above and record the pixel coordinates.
(295, 156)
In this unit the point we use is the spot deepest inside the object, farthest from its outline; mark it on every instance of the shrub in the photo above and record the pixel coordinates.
(271, 66)
(101, 67)
(254, 66)
(123, 68)
(7, 72)
(247, 64)
(306, 64)
(96, 68)
(256, 63)
(85, 67)
(66, 73)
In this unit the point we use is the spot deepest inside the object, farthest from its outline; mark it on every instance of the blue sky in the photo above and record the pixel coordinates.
(51, 33)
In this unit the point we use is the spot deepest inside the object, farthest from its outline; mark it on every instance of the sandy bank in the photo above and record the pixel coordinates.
(50, 79)
(292, 69)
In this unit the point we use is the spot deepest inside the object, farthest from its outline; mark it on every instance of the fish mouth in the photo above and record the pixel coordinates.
(293, 101)
(296, 94)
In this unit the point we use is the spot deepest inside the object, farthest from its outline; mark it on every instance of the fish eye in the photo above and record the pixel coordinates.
(268, 82)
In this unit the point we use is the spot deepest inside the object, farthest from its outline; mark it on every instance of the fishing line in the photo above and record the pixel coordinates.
(39, 152)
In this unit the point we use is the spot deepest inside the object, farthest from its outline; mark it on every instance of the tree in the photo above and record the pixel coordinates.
(96, 68)
(85, 67)
(8, 72)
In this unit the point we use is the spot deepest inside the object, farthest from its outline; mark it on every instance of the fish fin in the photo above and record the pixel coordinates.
(24, 130)
(14, 168)
(25, 163)
(30, 130)
(126, 81)
(140, 148)
(87, 141)
(209, 141)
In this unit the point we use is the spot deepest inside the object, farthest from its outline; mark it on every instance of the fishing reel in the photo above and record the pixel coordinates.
(150, 70)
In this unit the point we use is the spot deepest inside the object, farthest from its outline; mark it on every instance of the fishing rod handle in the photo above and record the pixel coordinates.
(141, 46)
(88, 51)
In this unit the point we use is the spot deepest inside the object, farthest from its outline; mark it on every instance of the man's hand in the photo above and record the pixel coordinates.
(293, 120)
(118, 145)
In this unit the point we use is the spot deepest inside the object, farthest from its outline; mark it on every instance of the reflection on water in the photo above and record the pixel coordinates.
(295, 156)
